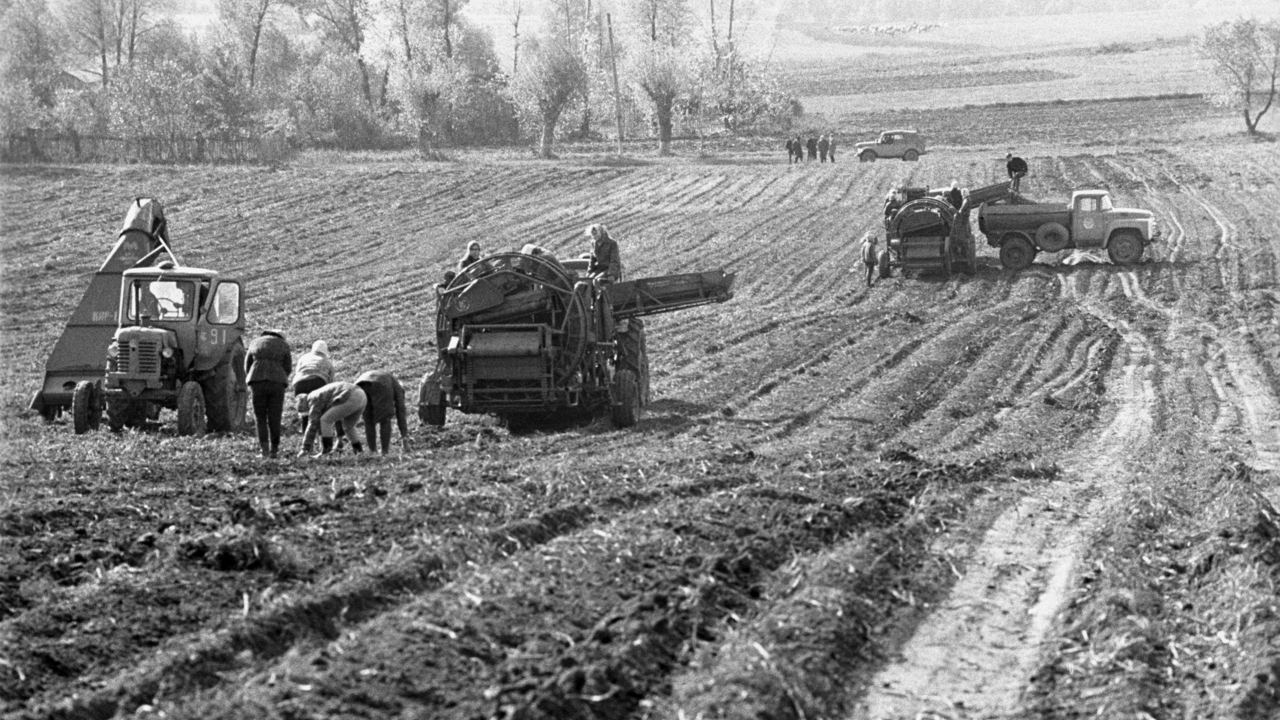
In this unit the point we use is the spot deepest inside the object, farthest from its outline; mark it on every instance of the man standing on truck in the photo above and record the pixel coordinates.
(1017, 168)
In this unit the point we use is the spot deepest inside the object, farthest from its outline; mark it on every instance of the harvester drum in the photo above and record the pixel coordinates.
(522, 334)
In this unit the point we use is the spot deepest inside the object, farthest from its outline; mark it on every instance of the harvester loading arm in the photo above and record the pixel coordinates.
(81, 352)
(655, 295)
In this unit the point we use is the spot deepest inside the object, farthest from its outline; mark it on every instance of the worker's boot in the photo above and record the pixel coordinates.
(265, 449)
(326, 445)
(275, 450)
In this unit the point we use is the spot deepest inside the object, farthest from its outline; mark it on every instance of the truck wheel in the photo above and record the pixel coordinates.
(191, 410)
(1125, 248)
(1052, 237)
(867, 156)
(126, 413)
(1016, 252)
(86, 407)
(625, 410)
(910, 156)
(882, 264)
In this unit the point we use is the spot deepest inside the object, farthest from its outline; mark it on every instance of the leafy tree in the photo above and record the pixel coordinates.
(1246, 57)
(550, 77)
(110, 32)
(30, 51)
(662, 68)
(247, 21)
(346, 24)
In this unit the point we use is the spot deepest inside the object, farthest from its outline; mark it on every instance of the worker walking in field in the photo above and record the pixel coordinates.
(267, 365)
(384, 400)
(870, 256)
(606, 262)
(314, 371)
(336, 404)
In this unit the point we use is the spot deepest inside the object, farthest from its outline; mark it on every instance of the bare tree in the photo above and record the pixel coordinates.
(515, 10)
(247, 19)
(1246, 56)
(549, 79)
(90, 29)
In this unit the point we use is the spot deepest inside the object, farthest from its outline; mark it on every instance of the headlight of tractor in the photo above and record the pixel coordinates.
(166, 353)
(113, 350)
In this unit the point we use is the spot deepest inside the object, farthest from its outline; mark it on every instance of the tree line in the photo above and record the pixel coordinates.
(363, 74)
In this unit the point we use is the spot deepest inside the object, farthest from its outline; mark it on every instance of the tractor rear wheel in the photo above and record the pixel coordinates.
(226, 395)
(625, 410)
(882, 264)
(126, 413)
(432, 414)
(633, 355)
(1016, 252)
(1125, 248)
(191, 409)
(86, 407)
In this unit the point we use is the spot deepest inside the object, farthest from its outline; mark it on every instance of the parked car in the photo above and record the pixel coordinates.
(905, 144)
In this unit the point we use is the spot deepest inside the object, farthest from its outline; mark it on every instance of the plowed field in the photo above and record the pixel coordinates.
(1042, 494)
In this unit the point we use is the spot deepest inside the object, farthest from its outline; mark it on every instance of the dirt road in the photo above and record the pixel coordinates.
(1004, 495)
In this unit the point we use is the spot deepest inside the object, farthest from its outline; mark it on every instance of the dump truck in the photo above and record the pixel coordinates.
(1090, 220)
(927, 233)
(522, 335)
(174, 340)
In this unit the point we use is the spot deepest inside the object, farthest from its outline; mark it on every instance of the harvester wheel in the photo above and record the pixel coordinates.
(867, 156)
(1125, 248)
(191, 410)
(971, 255)
(882, 264)
(946, 257)
(126, 413)
(910, 156)
(633, 355)
(1016, 252)
(86, 407)
(625, 410)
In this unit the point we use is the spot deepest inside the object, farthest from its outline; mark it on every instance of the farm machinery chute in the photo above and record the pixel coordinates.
(928, 233)
(170, 338)
(521, 335)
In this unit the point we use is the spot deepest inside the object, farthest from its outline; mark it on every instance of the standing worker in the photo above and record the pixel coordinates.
(870, 256)
(823, 146)
(954, 195)
(831, 147)
(791, 152)
(606, 263)
(267, 365)
(812, 146)
(314, 371)
(338, 403)
(385, 399)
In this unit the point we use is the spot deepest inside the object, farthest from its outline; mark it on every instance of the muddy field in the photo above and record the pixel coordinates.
(1046, 494)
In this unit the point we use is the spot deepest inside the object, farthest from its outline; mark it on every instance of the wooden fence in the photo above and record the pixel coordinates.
(43, 147)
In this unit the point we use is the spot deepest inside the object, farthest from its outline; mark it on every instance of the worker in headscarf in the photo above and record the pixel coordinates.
(314, 371)
(954, 195)
(385, 400)
(606, 263)
(338, 404)
(470, 256)
(870, 256)
(267, 365)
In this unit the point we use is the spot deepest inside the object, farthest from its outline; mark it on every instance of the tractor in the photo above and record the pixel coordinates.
(522, 335)
(177, 343)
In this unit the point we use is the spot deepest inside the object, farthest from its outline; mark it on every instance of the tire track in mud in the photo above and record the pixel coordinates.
(974, 656)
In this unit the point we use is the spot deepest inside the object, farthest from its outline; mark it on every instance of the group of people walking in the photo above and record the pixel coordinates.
(327, 407)
(821, 148)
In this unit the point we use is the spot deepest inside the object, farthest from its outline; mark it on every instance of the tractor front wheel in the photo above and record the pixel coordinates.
(86, 407)
(191, 409)
(625, 410)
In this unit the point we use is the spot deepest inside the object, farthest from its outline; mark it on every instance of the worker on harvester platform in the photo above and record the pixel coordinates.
(338, 403)
(470, 256)
(385, 400)
(606, 263)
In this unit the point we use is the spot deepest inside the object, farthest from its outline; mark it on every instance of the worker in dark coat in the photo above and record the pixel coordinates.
(831, 147)
(954, 195)
(1017, 168)
(812, 146)
(336, 404)
(791, 152)
(385, 400)
(797, 149)
(823, 145)
(605, 263)
(267, 365)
